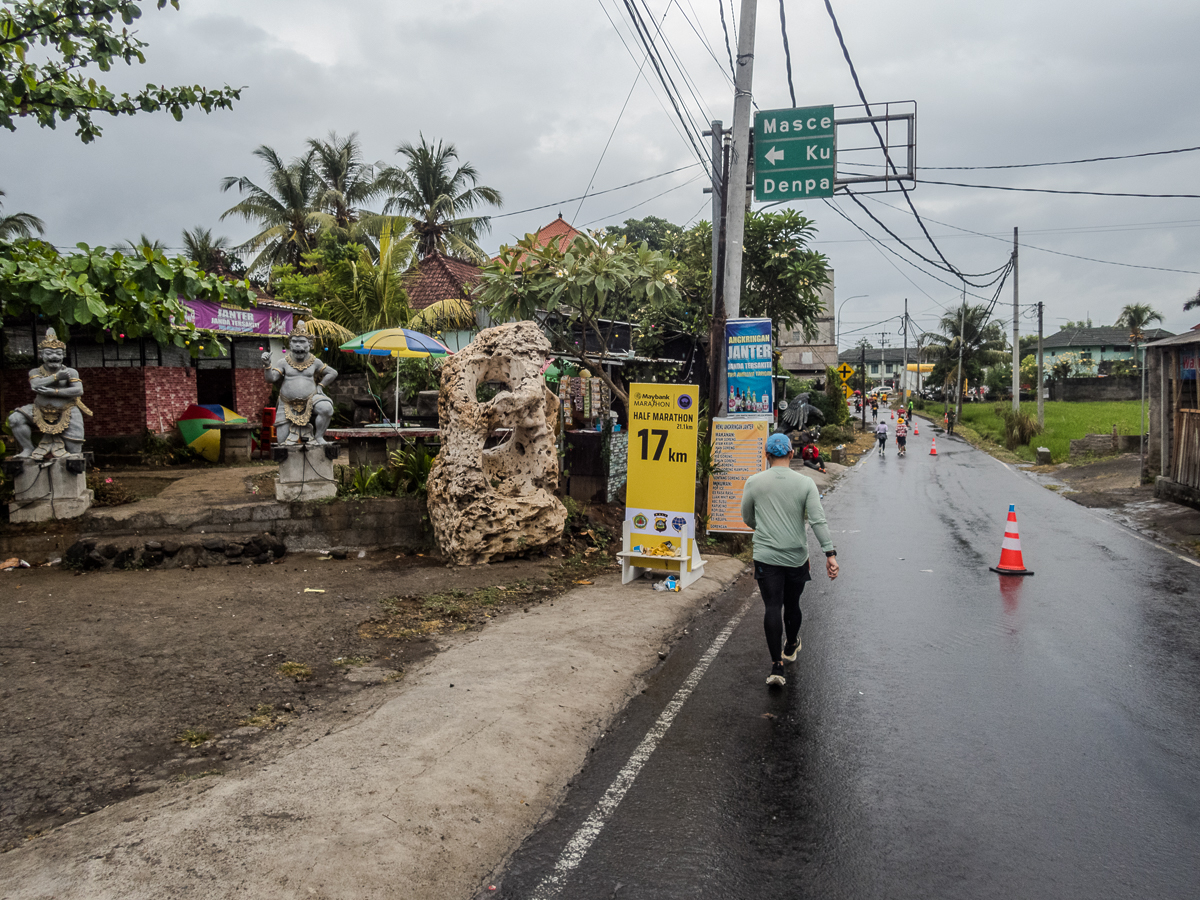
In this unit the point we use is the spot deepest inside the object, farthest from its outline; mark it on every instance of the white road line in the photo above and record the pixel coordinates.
(572, 855)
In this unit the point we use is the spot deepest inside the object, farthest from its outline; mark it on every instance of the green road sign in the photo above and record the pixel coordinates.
(845, 371)
(794, 153)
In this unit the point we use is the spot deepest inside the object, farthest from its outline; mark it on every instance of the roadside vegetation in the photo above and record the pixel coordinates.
(1064, 422)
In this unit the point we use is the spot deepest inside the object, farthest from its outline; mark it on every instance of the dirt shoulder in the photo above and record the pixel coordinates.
(427, 783)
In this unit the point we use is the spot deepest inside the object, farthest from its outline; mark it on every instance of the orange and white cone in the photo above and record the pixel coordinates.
(933, 447)
(1011, 562)
(893, 415)
(916, 431)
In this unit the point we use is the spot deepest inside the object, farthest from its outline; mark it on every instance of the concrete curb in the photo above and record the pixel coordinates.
(424, 797)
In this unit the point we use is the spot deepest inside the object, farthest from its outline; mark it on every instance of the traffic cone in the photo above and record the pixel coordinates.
(933, 447)
(1011, 562)
(916, 431)
(893, 415)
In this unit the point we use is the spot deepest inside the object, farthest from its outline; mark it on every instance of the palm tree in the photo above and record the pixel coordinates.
(142, 243)
(375, 296)
(439, 193)
(347, 183)
(971, 330)
(1193, 303)
(286, 209)
(212, 254)
(19, 225)
(1135, 317)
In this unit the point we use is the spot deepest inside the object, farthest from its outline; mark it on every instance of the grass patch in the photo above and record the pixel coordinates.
(294, 670)
(193, 737)
(1065, 422)
(266, 716)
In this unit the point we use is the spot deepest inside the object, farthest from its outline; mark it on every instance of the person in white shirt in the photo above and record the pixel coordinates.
(881, 433)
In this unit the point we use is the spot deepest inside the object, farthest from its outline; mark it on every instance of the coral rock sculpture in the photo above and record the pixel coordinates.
(493, 503)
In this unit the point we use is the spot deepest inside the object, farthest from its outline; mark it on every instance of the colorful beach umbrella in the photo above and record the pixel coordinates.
(205, 441)
(396, 342)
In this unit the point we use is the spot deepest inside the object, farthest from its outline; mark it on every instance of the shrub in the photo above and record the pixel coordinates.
(1019, 427)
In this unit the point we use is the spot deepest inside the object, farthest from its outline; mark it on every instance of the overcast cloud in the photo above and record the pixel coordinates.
(529, 92)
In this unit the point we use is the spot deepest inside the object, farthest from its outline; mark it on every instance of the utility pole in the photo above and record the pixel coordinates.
(882, 364)
(735, 209)
(962, 339)
(716, 329)
(863, 370)
(1040, 399)
(904, 368)
(1016, 364)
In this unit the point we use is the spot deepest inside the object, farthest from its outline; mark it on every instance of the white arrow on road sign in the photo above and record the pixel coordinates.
(774, 156)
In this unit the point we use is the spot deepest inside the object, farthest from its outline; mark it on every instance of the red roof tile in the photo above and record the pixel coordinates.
(560, 231)
(440, 277)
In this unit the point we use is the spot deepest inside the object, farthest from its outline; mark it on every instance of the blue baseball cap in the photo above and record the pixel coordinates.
(779, 445)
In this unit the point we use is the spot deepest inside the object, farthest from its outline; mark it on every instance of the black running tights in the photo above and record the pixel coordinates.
(781, 587)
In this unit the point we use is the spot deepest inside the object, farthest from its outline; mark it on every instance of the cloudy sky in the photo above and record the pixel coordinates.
(546, 99)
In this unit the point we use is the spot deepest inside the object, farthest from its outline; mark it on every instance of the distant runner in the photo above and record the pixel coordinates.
(881, 436)
(901, 437)
(776, 504)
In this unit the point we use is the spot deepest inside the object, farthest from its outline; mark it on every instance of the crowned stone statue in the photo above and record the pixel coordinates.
(57, 409)
(303, 411)
(49, 480)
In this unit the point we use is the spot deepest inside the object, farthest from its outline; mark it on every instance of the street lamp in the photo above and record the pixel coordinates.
(837, 338)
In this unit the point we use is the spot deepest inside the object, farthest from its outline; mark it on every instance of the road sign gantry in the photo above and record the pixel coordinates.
(795, 153)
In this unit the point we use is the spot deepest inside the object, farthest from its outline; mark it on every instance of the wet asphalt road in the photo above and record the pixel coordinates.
(944, 733)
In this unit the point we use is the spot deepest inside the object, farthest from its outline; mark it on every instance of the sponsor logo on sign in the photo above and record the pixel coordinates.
(660, 521)
(678, 523)
(639, 521)
(684, 401)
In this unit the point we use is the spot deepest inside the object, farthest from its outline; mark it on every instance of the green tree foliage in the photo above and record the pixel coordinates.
(19, 225)
(285, 209)
(1136, 317)
(1193, 303)
(1082, 323)
(212, 254)
(439, 193)
(982, 341)
(370, 294)
(781, 278)
(45, 48)
(135, 295)
(656, 233)
(583, 288)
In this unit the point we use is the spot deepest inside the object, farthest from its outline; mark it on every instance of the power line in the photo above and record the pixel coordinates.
(1106, 262)
(951, 269)
(1065, 162)
(996, 187)
(879, 137)
(595, 193)
(644, 202)
(698, 30)
(787, 52)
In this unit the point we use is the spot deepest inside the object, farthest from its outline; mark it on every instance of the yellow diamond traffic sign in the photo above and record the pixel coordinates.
(845, 371)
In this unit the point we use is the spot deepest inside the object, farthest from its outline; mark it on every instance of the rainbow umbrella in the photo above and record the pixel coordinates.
(396, 342)
(205, 441)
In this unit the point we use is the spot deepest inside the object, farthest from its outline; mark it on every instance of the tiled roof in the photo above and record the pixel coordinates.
(440, 277)
(560, 231)
(1098, 337)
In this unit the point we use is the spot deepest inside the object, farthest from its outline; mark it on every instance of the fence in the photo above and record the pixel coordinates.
(1185, 468)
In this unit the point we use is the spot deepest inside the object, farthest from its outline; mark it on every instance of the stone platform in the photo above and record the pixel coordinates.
(305, 472)
(48, 489)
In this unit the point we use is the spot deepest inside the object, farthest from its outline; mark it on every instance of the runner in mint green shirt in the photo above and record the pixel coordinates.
(776, 504)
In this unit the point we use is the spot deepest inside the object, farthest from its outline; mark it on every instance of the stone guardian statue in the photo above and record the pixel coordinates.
(303, 411)
(48, 479)
(57, 409)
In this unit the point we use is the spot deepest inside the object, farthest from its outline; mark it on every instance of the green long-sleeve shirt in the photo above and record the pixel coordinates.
(776, 503)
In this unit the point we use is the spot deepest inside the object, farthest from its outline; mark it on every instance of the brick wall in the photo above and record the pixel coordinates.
(169, 390)
(116, 396)
(251, 392)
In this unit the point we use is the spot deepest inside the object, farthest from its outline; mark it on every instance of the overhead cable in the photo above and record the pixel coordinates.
(996, 187)
(619, 187)
(787, 52)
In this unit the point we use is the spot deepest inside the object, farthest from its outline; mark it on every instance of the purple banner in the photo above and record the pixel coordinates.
(231, 320)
